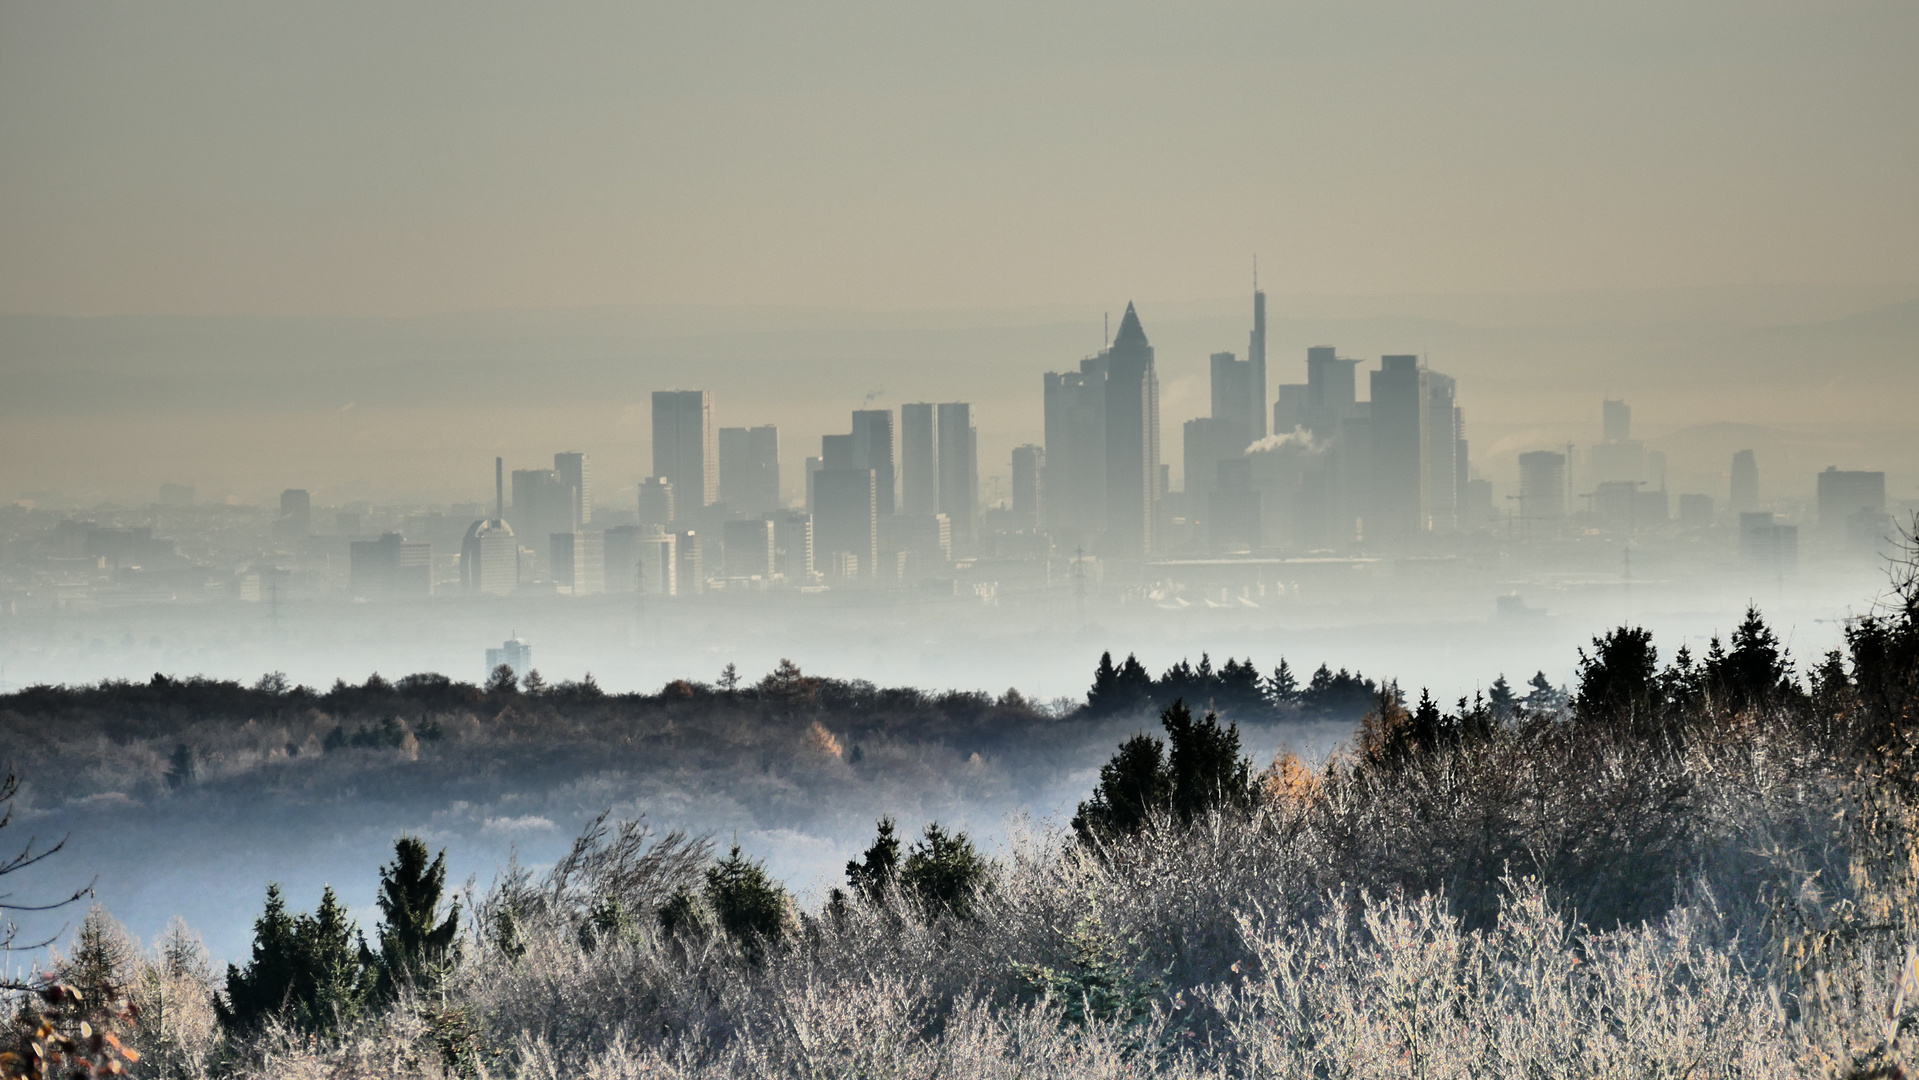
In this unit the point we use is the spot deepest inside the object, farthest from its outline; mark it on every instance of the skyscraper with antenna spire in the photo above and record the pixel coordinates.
(1256, 356)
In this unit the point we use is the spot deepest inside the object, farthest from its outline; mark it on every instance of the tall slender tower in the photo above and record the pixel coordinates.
(919, 458)
(1132, 440)
(1256, 355)
(685, 447)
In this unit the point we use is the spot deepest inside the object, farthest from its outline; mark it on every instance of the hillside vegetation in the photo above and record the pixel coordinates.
(1701, 866)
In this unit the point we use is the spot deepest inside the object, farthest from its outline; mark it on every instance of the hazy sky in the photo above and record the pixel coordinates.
(380, 158)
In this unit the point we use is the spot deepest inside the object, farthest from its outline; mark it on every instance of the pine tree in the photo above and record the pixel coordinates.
(874, 874)
(415, 942)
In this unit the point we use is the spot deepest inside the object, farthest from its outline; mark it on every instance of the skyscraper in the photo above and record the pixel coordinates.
(656, 502)
(749, 549)
(750, 468)
(685, 447)
(1542, 485)
(489, 554)
(1029, 465)
(620, 550)
(1235, 401)
(571, 467)
(1616, 420)
(541, 507)
(1401, 436)
(846, 519)
(296, 511)
(959, 470)
(1853, 504)
(1256, 360)
(389, 568)
(919, 459)
(578, 561)
(1132, 441)
(1076, 452)
(873, 449)
(1443, 452)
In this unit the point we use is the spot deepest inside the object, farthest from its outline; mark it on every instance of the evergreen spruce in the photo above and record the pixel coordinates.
(415, 941)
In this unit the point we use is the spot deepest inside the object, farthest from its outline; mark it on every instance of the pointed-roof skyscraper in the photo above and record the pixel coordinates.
(1132, 440)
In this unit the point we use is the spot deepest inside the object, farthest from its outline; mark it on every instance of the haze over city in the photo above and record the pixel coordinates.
(453, 422)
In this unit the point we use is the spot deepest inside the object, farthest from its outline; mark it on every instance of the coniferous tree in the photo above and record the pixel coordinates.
(1501, 698)
(415, 942)
(310, 969)
(1103, 697)
(1618, 682)
(874, 874)
(746, 901)
(1135, 684)
(1543, 697)
(1133, 786)
(265, 986)
(1756, 672)
(334, 983)
(1206, 770)
(943, 873)
(1283, 688)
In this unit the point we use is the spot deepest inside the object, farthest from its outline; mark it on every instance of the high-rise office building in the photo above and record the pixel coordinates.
(1236, 403)
(1853, 504)
(577, 561)
(1256, 361)
(1076, 453)
(1616, 420)
(1132, 441)
(1620, 458)
(1444, 452)
(514, 652)
(542, 506)
(749, 549)
(1767, 546)
(959, 471)
(750, 468)
(1745, 482)
(690, 546)
(296, 511)
(685, 447)
(873, 449)
(1029, 468)
(572, 471)
(620, 547)
(659, 563)
(489, 553)
(1542, 486)
(919, 458)
(846, 520)
(1332, 389)
(389, 568)
(793, 545)
(1401, 436)
(656, 502)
